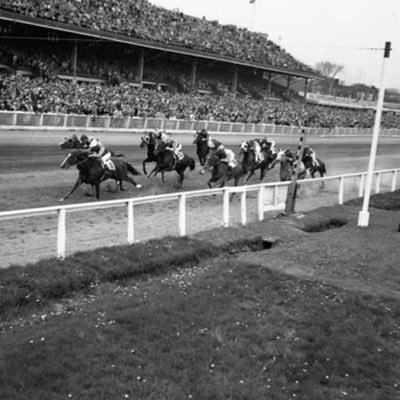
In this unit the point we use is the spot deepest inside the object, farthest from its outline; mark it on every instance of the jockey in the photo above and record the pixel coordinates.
(205, 136)
(309, 152)
(163, 136)
(227, 156)
(171, 144)
(256, 147)
(176, 148)
(267, 143)
(97, 150)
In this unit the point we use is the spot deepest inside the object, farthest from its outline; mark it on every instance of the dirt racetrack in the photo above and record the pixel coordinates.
(30, 177)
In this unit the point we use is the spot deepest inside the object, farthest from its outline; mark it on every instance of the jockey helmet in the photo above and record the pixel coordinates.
(221, 147)
(84, 138)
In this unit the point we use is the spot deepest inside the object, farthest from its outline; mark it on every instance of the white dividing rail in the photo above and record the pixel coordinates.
(262, 205)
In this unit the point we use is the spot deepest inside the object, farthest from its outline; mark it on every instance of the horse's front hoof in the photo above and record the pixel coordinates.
(61, 200)
(138, 186)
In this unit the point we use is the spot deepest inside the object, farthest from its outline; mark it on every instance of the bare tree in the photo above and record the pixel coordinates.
(329, 70)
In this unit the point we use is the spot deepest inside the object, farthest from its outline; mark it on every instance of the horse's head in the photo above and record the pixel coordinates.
(74, 158)
(147, 139)
(70, 143)
(196, 137)
(244, 147)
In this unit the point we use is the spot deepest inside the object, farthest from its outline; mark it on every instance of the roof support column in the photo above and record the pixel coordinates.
(235, 79)
(193, 75)
(305, 89)
(269, 83)
(74, 58)
(289, 80)
(140, 66)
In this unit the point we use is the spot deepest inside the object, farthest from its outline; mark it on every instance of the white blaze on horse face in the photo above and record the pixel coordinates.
(64, 164)
(243, 146)
(280, 156)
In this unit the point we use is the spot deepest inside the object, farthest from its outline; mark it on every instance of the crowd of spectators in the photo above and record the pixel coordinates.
(40, 89)
(24, 93)
(141, 19)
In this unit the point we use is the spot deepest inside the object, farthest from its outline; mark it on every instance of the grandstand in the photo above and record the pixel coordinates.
(131, 58)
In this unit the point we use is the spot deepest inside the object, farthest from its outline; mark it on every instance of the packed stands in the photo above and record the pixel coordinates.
(141, 19)
(105, 80)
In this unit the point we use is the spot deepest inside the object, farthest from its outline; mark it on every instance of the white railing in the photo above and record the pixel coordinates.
(270, 197)
(53, 121)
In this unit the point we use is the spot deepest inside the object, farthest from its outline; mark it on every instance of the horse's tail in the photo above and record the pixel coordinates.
(322, 166)
(192, 164)
(132, 169)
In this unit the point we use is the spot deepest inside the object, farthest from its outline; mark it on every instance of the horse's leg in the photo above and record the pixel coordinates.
(77, 184)
(204, 163)
(144, 166)
(180, 180)
(262, 172)
(154, 171)
(97, 187)
(129, 179)
(322, 182)
(250, 175)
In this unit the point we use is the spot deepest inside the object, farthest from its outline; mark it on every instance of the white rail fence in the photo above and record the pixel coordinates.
(30, 120)
(266, 197)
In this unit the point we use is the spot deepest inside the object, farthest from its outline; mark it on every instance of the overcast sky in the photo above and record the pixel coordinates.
(340, 31)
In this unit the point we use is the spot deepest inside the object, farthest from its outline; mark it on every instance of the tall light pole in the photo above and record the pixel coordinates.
(363, 216)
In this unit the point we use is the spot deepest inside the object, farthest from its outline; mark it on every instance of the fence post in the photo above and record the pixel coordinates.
(261, 203)
(61, 234)
(131, 228)
(182, 214)
(394, 179)
(378, 182)
(225, 214)
(341, 189)
(275, 195)
(292, 188)
(361, 187)
(243, 207)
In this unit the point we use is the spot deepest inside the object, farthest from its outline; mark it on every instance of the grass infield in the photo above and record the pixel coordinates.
(214, 316)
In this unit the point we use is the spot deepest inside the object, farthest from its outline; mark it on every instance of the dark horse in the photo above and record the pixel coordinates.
(74, 142)
(167, 161)
(249, 163)
(312, 169)
(149, 140)
(202, 148)
(221, 172)
(91, 171)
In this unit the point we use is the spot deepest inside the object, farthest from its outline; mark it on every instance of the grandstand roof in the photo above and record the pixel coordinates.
(108, 36)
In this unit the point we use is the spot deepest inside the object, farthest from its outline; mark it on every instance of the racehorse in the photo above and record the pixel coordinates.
(249, 163)
(312, 169)
(74, 142)
(91, 171)
(221, 172)
(149, 140)
(167, 161)
(202, 148)
(286, 160)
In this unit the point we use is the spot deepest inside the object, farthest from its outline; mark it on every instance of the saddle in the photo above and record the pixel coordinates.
(109, 165)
